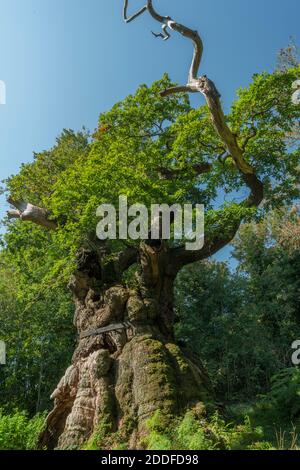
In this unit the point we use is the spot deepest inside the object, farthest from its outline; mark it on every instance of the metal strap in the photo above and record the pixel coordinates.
(106, 329)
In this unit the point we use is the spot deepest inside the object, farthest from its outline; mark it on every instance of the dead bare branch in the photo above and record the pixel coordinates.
(205, 86)
(225, 235)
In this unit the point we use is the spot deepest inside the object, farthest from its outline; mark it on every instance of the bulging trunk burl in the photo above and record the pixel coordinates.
(119, 378)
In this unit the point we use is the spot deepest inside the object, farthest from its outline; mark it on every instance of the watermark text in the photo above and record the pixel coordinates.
(2, 92)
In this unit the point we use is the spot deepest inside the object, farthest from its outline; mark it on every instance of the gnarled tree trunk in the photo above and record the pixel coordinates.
(120, 378)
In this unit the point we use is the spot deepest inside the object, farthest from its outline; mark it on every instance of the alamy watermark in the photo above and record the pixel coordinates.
(2, 92)
(137, 223)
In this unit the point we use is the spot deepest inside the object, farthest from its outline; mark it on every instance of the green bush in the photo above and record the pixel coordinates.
(18, 432)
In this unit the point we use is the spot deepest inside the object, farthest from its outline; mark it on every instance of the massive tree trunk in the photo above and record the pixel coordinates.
(120, 378)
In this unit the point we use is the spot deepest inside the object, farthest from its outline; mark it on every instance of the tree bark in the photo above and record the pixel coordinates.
(119, 379)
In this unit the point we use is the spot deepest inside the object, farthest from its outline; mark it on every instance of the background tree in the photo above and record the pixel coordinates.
(242, 324)
(288, 57)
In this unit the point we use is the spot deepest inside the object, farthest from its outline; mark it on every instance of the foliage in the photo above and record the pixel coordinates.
(194, 433)
(215, 322)
(18, 432)
(100, 435)
(284, 395)
(147, 134)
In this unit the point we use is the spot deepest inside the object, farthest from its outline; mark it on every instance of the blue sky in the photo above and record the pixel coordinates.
(65, 61)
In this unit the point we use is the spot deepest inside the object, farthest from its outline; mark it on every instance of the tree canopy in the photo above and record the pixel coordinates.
(154, 149)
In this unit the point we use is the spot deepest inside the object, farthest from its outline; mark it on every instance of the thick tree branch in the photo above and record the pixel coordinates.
(127, 18)
(226, 233)
(178, 89)
(199, 169)
(165, 35)
(205, 86)
(30, 213)
(208, 89)
(182, 257)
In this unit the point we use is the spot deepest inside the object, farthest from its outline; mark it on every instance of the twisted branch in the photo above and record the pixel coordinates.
(232, 148)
